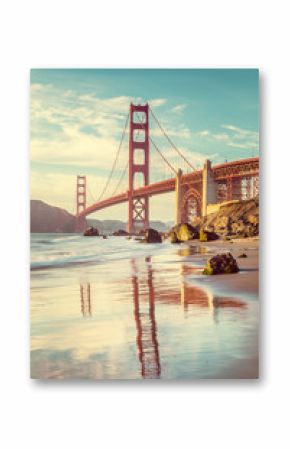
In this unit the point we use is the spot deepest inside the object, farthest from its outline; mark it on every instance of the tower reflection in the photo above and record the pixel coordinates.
(85, 294)
(195, 296)
(146, 329)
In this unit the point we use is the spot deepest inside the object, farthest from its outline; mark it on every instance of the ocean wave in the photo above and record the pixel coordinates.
(56, 260)
(68, 251)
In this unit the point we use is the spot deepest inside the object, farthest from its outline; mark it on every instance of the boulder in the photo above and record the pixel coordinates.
(183, 232)
(242, 256)
(120, 232)
(173, 238)
(152, 236)
(91, 232)
(207, 236)
(221, 264)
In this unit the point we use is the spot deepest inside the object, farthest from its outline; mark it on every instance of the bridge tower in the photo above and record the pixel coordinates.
(81, 198)
(138, 217)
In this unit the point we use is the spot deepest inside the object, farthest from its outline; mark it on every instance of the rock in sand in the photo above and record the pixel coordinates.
(183, 232)
(221, 264)
(91, 232)
(152, 236)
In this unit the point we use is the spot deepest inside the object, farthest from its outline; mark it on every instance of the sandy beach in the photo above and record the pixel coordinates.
(249, 266)
(118, 309)
(244, 283)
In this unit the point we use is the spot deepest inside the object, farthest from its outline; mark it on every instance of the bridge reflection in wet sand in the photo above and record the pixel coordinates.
(145, 296)
(144, 313)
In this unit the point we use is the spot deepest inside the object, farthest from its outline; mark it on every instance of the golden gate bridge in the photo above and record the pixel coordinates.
(195, 189)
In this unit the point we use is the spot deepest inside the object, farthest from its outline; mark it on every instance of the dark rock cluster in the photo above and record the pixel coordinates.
(120, 233)
(91, 232)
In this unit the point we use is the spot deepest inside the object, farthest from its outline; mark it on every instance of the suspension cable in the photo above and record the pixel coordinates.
(163, 157)
(157, 149)
(125, 169)
(169, 140)
(91, 195)
(115, 161)
(121, 179)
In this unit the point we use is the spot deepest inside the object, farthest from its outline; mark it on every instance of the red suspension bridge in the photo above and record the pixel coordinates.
(195, 189)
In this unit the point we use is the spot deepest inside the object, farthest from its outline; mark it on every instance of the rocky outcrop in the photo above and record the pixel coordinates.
(152, 236)
(91, 232)
(237, 218)
(182, 233)
(207, 236)
(221, 264)
(120, 233)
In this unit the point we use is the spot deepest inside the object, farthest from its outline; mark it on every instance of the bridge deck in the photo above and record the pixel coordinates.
(241, 168)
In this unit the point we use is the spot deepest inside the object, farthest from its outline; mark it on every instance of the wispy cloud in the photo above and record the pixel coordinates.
(83, 130)
(178, 109)
(204, 133)
(234, 137)
(157, 102)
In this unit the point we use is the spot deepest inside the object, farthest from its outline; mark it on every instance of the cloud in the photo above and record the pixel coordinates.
(204, 133)
(83, 130)
(180, 132)
(222, 137)
(178, 108)
(235, 137)
(239, 130)
(242, 138)
(157, 102)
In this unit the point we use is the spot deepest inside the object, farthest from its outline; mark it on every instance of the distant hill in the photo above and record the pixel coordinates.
(46, 218)
(108, 226)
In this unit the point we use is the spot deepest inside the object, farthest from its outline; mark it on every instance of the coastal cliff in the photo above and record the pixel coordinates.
(235, 218)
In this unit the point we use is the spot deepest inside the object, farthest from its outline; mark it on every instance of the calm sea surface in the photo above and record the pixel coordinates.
(118, 309)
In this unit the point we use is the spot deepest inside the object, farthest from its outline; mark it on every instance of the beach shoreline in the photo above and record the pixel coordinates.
(96, 303)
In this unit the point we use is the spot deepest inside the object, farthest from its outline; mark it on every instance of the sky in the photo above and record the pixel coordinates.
(77, 117)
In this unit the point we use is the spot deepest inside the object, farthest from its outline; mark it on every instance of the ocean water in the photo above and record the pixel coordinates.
(118, 309)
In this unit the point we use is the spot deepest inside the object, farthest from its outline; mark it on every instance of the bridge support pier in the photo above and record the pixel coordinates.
(209, 194)
(81, 203)
(234, 189)
(81, 224)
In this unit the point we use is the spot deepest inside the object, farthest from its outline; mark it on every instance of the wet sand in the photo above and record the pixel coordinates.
(249, 267)
(115, 309)
(246, 282)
